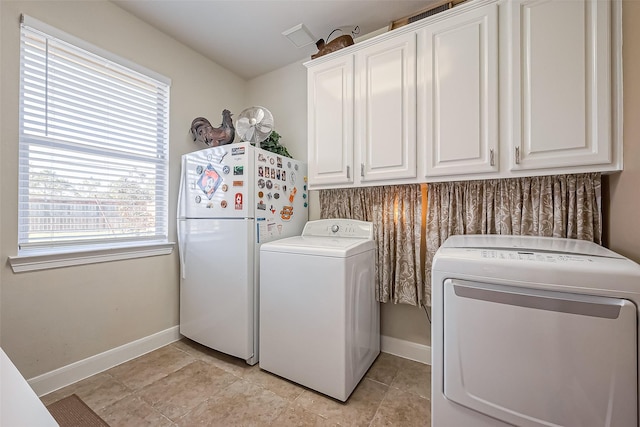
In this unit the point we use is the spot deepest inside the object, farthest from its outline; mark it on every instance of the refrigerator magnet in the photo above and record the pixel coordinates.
(209, 181)
(238, 201)
(286, 213)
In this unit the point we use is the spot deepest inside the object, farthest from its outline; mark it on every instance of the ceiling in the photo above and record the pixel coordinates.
(245, 36)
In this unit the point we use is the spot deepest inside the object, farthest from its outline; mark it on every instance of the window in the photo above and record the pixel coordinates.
(93, 137)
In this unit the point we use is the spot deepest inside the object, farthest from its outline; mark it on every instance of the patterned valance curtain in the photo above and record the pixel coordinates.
(557, 206)
(397, 215)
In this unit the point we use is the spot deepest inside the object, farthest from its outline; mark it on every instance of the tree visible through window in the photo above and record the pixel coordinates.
(93, 146)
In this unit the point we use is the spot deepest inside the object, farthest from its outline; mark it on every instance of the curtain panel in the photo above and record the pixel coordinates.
(397, 215)
(555, 206)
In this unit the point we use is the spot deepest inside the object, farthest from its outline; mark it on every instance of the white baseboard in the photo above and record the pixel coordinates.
(407, 349)
(62, 377)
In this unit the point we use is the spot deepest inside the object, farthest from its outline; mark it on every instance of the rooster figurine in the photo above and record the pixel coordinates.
(202, 131)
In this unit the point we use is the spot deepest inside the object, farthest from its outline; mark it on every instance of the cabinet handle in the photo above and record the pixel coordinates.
(362, 169)
(491, 158)
(348, 172)
(517, 155)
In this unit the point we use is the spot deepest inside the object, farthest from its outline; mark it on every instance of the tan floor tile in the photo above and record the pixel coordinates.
(110, 391)
(241, 404)
(280, 386)
(96, 391)
(414, 377)
(402, 408)
(214, 389)
(234, 365)
(296, 416)
(133, 412)
(179, 392)
(385, 368)
(146, 369)
(357, 411)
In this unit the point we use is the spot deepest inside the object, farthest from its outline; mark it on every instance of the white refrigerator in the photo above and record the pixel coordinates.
(232, 199)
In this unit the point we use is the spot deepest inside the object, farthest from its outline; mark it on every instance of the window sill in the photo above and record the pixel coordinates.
(23, 263)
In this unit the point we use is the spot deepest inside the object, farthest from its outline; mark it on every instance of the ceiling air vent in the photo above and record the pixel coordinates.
(424, 13)
(430, 12)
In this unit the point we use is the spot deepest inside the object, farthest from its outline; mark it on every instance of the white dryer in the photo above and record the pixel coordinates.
(531, 331)
(319, 319)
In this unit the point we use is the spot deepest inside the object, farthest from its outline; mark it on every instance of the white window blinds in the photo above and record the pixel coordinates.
(93, 149)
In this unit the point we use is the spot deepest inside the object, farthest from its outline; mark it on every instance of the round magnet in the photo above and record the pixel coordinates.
(305, 204)
(276, 196)
(269, 184)
(223, 203)
(198, 199)
(199, 170)
(261, 183)
(226, 169)
(260, 194)
(225, 187)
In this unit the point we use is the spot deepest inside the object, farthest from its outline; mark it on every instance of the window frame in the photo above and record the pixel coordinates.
(60, 255)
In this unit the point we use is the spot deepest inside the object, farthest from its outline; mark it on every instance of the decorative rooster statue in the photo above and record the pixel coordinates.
(202, 131)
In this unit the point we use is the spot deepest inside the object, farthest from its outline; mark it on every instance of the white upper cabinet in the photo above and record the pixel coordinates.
(330, 122)
(458, 93)
(488, 89)
(561, 83)
(386, 109)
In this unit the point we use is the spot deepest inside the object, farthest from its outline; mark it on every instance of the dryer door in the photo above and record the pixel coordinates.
(540, 358)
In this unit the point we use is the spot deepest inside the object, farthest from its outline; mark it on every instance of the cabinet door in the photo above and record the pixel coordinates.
(386, 108)
(561, 82)
(458, 97)
(330, 122)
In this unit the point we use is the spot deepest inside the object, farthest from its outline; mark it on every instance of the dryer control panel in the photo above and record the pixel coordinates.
(532, 256)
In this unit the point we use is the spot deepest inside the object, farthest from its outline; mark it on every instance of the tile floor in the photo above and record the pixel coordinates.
(185, 384)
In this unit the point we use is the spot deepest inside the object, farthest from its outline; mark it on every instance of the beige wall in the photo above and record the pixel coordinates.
(622, 226)
(284, 93)
(52, 318)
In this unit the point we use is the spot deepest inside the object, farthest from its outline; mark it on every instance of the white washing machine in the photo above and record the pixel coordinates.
(319, 319)
(531, 331)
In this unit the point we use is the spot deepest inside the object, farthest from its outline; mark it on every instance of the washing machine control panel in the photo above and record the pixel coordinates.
(339, 228)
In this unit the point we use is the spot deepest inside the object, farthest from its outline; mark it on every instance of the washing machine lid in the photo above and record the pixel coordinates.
(338, 247)
(533, 243)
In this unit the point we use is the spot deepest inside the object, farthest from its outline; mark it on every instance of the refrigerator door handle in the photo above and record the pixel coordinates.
(181, 247)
